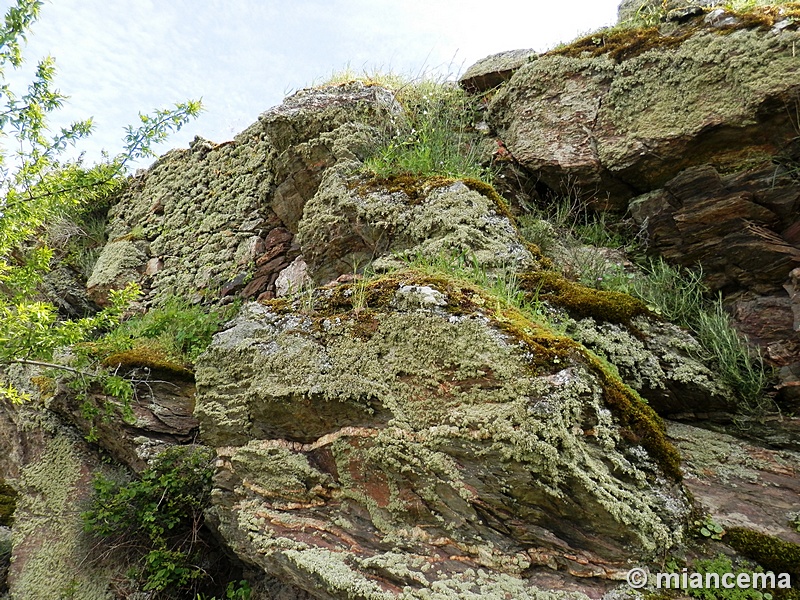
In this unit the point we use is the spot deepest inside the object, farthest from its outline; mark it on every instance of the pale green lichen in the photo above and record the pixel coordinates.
(660, 353)
(444, 219)
(756, 67)
(117, 265)
(714, 454)
(638, 118)
(49, 529)
(283, 476)
(442, 389)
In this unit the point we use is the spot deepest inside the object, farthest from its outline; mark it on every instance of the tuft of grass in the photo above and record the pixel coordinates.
(740, 367)
(502, 285)
(436, 134)
(677, 295)
(680, 296)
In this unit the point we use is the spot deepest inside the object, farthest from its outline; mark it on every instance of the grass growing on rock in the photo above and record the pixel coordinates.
(435, 135)
(168, 338)
(654, 287)
(643, 32)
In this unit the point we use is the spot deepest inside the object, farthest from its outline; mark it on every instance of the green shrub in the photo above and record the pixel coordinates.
(158, 517)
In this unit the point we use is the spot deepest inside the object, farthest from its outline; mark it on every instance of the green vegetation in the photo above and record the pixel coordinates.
(8, 503)
(167, 338)
(435, 135)
(41, 187)
(157, 520)
(709, 529)
(642, 32)
(677, 295)
(770, 552)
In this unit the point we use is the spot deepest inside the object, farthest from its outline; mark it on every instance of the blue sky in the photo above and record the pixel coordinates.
(118, 57)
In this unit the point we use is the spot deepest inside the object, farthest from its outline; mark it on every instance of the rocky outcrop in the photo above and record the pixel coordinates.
(402, 450)
(490, 72)
(691, 128)
(354, 221)
(737, 226)
(221, 219)
(627, 114)
(410, 434)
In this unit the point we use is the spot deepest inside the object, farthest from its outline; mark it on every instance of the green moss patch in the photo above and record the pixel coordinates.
(416, 187)
(619, 44)
(150, 357)
(624, 43)
(581, 301)
(640, 423)
(770, 552)
(359, 304)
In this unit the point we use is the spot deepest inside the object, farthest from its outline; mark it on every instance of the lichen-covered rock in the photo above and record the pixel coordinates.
(51, 468)
(119, 264)
(660, 361)
(394, 452)
(493, 70)
(630, 10)
(626, 125)
(353, 222)
(211, 220)
(64, 288)
(741, 484)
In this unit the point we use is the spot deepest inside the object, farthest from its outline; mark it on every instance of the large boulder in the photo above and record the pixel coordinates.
(417, 440)
(621, 113)
(353, 221)
(220, 219)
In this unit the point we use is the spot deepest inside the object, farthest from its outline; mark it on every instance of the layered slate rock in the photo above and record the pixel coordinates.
(393, 451)
(493, 70)
(739, 228)
(625, 115)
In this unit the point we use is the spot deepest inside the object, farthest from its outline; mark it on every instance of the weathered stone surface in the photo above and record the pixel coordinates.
(205, 215)
(493, 70)
(64, 288)
(740, 484)
(350, 222)
(660, 362)
(162, 415)
(619, 128)
(728, 225)
(119, 264)
(353, 460)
